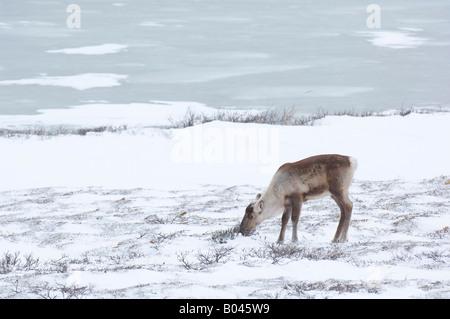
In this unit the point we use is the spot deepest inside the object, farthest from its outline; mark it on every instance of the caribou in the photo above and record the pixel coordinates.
(295, 183)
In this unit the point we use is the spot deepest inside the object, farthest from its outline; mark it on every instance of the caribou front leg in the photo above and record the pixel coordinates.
(285, 218)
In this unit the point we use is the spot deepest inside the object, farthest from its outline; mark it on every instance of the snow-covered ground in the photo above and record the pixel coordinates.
(149, 211)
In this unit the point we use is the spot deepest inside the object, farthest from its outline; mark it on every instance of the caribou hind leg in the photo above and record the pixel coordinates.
(346, 206)
(296, 207)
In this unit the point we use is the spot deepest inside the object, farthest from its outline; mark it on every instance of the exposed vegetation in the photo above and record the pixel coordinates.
(271, 116)
(164, 242)
(49, 131)
(282, 116)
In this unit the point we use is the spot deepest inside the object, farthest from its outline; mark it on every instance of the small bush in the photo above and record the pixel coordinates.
(283, 116)
(205, 259)
(270, 116)
(222, 236)
(50, 131)
(159, 239)
(340, 286)
(60, 291)
(281, 252)
(12, 262)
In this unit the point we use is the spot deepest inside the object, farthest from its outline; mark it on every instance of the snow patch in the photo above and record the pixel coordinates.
(107, 48)
(395, 39)
(79, 82)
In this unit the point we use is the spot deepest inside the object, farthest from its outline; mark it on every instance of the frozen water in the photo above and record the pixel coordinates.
(313, 54)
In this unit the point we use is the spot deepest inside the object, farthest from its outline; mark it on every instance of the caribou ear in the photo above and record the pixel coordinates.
(261, 206)
(258, 196)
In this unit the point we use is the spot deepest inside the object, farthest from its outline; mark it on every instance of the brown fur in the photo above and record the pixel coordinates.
(295, 183)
